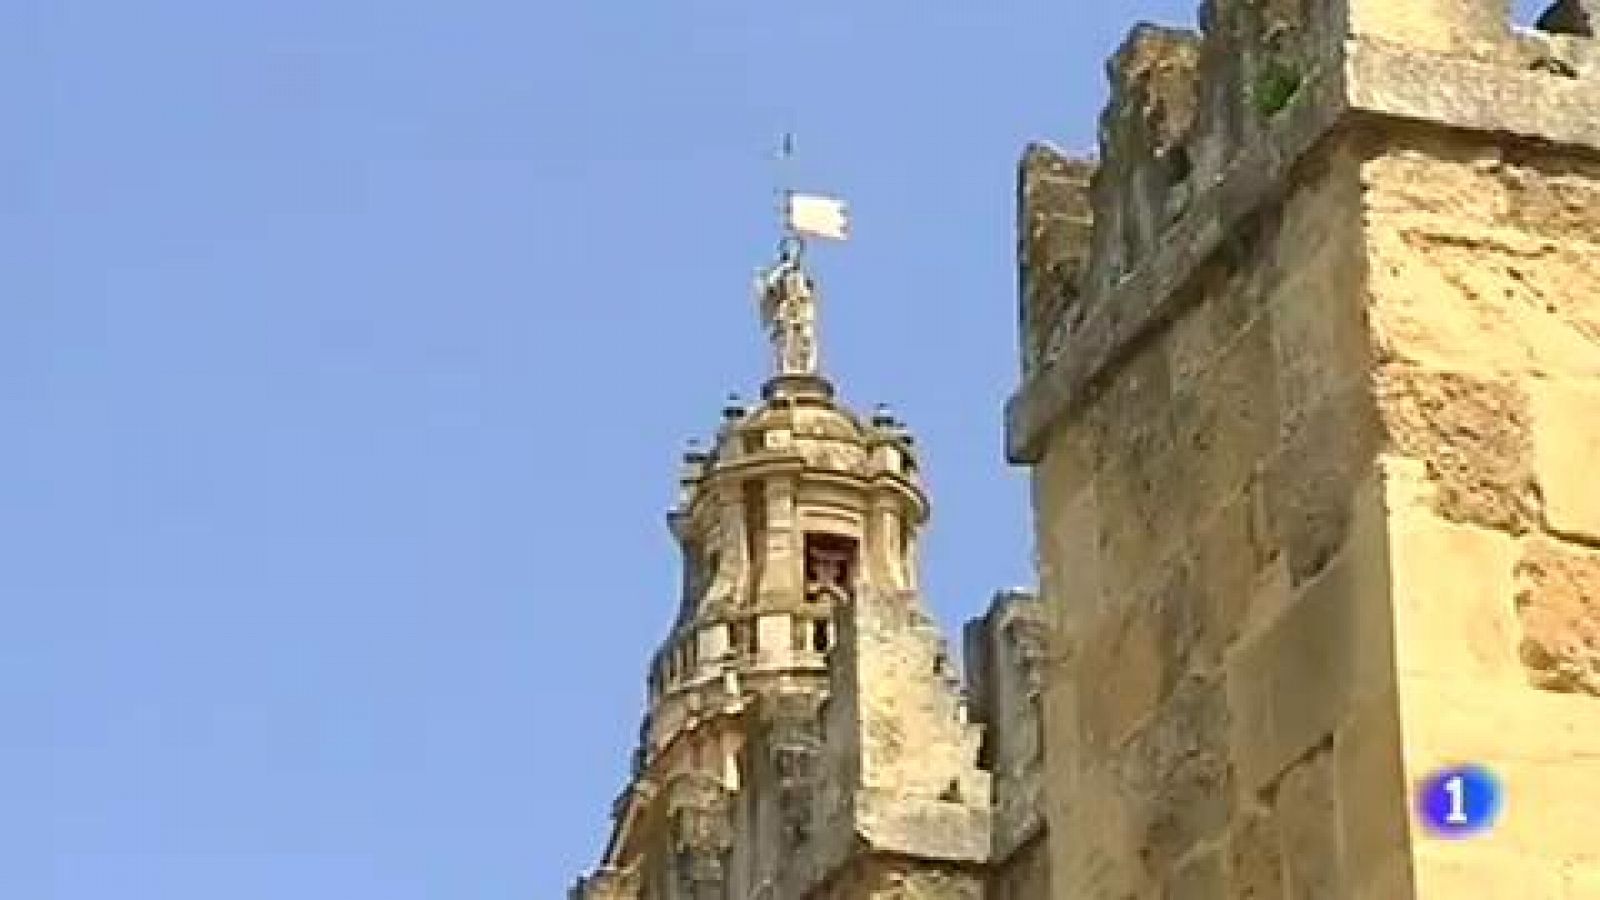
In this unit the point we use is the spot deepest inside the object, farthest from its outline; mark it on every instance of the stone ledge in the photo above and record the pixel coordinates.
(1461, 93)
(889, 822)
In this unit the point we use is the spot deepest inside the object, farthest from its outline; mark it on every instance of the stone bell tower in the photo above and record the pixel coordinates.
(801, 679)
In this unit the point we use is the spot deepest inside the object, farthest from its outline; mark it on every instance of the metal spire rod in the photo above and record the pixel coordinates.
(792, 245)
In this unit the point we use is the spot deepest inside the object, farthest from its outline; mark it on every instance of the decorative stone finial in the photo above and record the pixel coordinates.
(695, 460)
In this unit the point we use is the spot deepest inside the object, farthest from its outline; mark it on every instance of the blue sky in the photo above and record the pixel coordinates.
(345, 357)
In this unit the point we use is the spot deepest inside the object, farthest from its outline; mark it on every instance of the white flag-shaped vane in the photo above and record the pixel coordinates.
(818, 216)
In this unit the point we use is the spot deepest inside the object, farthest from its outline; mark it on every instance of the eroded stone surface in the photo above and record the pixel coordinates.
(1558, 602)
(1473, 433)
(1177, 771)
(1255, 857)
(1199, 877)
(1306, 811)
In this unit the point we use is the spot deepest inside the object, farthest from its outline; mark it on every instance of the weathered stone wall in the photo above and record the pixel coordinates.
(898, 776)
(1484, 301)
(1308, 432)
(1194, 528)
(1004, 656)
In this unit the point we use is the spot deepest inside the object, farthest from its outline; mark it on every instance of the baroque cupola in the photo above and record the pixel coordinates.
(793, 505)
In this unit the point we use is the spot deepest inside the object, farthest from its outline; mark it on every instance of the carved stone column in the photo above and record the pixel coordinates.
(729, 546)
(886, 554)
(783, 569)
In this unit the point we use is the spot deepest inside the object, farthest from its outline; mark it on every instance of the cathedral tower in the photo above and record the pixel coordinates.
(803, 704)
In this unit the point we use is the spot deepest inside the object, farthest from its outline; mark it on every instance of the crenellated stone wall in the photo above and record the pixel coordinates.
(1309, 412)
(1201, 129)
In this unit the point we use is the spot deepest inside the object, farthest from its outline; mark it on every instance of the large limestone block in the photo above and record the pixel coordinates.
(1566, 447)
(1438, 192)
(1558, 601)
(1235, 569)
(1094, 848)
(1305, 810)
(1545, 747)
(1481, 259)
(1374, 812)
(1473, 433)
(1425, 177)
(1448, 718)
(1121, 671)
(1478, 303)
(1138, 475)
(887, 820)
(1448, 27)
(1289, 685)
(1319, 333)
(1309, 483)
(1453, 585)
(1226, 421)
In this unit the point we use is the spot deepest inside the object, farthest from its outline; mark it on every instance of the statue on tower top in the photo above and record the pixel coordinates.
(789, 312)
(788, 296)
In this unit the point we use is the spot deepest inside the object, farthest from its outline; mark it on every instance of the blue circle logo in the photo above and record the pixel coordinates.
(1460, 801)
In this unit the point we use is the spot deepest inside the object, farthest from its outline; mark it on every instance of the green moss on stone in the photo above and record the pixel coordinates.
(1275, 86)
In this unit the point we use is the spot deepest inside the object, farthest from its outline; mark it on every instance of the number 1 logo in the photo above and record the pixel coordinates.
(1460, 801)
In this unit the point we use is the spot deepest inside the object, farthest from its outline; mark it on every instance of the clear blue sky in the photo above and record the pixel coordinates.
(346, 351)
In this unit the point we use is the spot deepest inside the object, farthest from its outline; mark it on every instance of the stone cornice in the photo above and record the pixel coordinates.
(1392, 80)
(770, 464)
